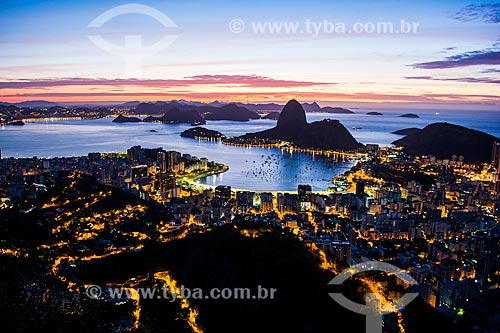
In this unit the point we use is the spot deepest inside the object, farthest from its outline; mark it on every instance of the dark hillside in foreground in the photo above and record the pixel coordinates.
(52, 252)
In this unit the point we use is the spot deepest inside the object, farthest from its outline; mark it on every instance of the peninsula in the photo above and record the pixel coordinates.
(292, 127)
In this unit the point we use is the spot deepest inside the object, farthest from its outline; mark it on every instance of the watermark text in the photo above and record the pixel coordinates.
(323, 27)
(166, 293)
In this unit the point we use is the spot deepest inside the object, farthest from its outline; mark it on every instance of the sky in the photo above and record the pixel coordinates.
(417, 54)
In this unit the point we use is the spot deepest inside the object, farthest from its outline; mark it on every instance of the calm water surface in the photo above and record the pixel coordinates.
(250, 168)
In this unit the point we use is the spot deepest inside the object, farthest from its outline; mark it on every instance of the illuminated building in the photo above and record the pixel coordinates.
(171, 160)
(204, 163)
(135, 153)
(266, 202)
(167, 182)
(304, 192)
(340, 248)
(138, 171)
(223, 192)
(161, 160)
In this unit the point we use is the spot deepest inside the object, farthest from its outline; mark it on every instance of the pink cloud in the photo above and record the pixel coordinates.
(254, 81)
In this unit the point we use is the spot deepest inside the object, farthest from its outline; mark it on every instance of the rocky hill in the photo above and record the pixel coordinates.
(292, 126)
(444, 140)
(125, 119)
(201, 132)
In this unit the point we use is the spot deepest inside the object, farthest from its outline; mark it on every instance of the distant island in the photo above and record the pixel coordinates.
(338, 110)
(272, 115)
(444, 140)
(373, 113)
(292, 126)
(409, 115)
(202, 133)
(124, 119)
(407, 131)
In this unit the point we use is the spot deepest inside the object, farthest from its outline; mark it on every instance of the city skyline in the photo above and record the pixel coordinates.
(450, 59)
(250, 166)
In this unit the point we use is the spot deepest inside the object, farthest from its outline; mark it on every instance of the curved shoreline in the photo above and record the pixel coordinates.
(289, 147)
(223, 168)
(191, 180)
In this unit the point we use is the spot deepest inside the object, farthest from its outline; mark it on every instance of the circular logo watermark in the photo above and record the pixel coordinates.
(133, 52)
(236, 26)
(93, 292)
(373, 309)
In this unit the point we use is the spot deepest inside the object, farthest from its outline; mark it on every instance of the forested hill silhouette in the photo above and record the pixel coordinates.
(444, 140)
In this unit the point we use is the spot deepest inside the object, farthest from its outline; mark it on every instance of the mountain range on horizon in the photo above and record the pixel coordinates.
(266, 107)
